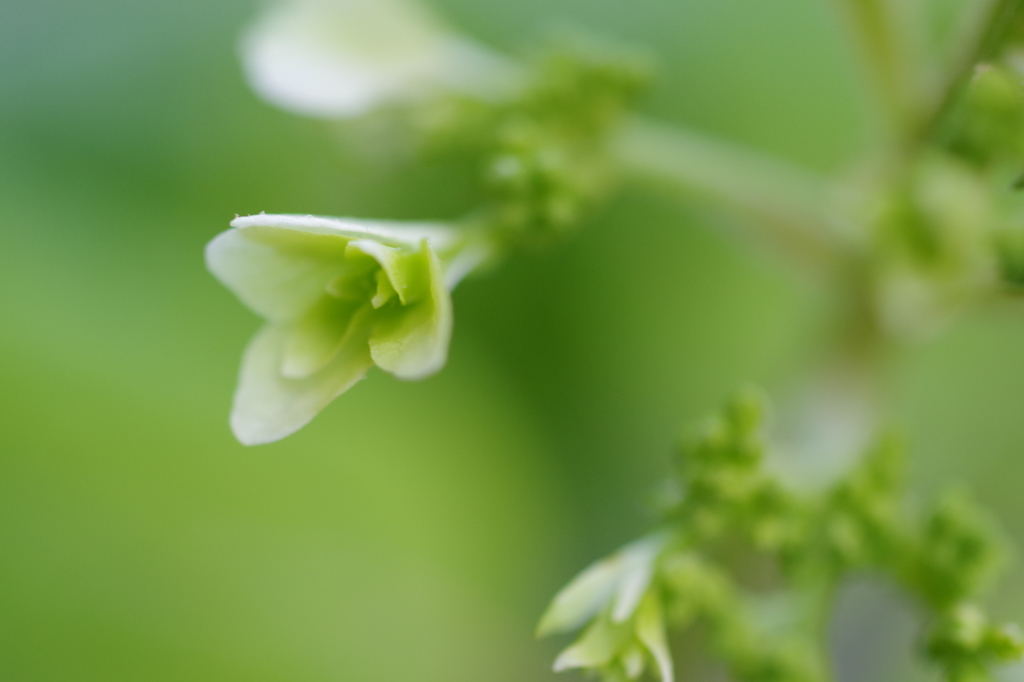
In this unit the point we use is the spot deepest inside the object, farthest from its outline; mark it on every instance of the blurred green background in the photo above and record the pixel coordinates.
(413, 531)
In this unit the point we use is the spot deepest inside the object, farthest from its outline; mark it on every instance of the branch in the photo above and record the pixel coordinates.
(787, 203)
(983, 39)
(885, 55)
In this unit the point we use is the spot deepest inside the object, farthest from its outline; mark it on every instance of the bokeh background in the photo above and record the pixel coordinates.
(413, 531)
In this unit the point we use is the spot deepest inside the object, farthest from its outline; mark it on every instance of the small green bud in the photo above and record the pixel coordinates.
(958, 552)
(1009, 245)
(988, 124)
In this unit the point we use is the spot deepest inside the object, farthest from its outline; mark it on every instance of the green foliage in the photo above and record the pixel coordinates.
(733, 513)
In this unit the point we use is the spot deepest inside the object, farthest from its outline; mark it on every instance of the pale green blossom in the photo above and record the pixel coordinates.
(338, 296)
(626, 622)
(343, 58)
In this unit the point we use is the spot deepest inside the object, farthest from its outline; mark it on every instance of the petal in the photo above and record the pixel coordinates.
(342, 58)
(637, 570)
(390, 260)
(624, 576)
(633, 661)
(596, 647)
(583, 598)
(468, 259)
(390, 233)
(650, 629)
(315, 339)
(269, 406)
(385, 290)
(278, 273)
(411, 341)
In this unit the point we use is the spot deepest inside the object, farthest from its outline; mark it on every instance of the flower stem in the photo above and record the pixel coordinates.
(886, 54)
(983, 36)
(788, 205)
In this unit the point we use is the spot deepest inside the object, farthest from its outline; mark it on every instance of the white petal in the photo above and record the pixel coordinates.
(583, 598)
(623, 576)
(342, 58)
(468, 259)
(406, 234)
(411, 341)
(279, 274)
(269, 406)
(637, 569)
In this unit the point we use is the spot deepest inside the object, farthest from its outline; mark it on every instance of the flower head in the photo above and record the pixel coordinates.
(338, 296)
(343, 58)
(626, 626)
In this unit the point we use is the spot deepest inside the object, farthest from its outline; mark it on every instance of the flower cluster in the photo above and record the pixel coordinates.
(796, 548)
(340, 295)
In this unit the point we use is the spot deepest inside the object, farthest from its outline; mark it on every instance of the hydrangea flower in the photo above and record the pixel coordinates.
(338, 296)
(626, 625)
(343, 58)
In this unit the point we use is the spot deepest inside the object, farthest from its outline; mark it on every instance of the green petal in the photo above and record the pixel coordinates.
(411, 341)
(598, 645)
(650, 629)
(399, 271)
(632, 660)
(316, 338)
(385, 290)
(269, 406)
(278, 273)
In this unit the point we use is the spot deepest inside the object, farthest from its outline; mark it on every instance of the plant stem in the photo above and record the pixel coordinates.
(787, 204)
(885, 55)
(982, 41)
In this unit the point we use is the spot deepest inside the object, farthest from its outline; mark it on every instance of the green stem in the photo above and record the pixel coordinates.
(787, 204)
(982, 40)
(886, 57)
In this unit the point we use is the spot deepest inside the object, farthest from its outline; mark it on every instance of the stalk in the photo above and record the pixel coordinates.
(788, 205)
